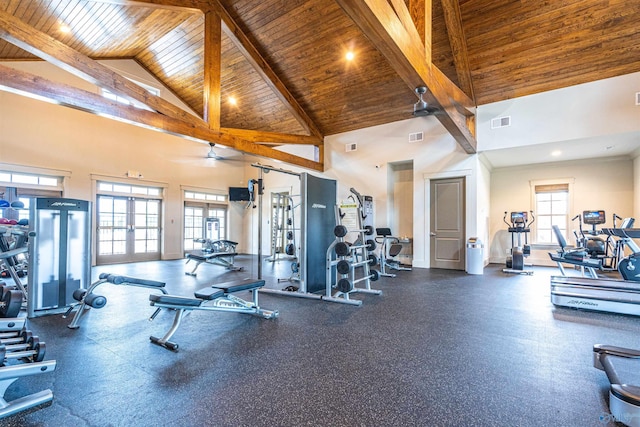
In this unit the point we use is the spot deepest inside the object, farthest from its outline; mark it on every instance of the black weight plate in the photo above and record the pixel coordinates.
(374, 275)
(340, 231)
(342, 249)
(343, 266)
(290, 249)
(373, 260)
(371, 245)
(11, 303)
(368, 230)
(344, 285)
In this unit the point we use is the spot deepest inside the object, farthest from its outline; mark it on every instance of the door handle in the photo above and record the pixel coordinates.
(433, 234)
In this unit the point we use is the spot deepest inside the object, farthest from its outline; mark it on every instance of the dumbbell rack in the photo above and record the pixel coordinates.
(26, 354)
(348, 259)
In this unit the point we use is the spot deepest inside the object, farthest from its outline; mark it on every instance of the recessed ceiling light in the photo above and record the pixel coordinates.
(64, 28)
(556, 153)
(350, 56)
(232, 100)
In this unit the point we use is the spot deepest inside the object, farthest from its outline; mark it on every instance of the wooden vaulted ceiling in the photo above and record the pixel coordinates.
(283, 61)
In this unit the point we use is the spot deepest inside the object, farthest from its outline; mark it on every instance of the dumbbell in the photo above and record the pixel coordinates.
(32, 351)
(9, 338)
(10, 301)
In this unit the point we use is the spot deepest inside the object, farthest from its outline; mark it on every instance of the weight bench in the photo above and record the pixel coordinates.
(622, 366)
(87, 299)
(219, 297)
(576, 256)
(219, 252)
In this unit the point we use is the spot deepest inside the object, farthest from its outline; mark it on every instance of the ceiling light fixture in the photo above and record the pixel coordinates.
(350, 56)
(556, 153)
(232, 100)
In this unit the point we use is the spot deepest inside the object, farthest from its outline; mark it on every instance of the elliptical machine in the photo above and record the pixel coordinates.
(520, 225)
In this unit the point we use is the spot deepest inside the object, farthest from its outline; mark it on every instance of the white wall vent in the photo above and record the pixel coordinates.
(416, 137)
(501, 122)
(637, 98)
(350, 147)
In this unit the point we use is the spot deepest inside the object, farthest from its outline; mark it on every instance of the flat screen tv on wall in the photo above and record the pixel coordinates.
(239, 194)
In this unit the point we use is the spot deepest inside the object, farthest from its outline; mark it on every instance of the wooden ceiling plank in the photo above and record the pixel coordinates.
(212, 57)
(20, 82)
(379, 23)
(457, 40)
(243, 43)
(15, 31)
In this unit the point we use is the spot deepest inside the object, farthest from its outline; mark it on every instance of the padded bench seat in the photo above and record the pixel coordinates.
(209, 293)
(239, 285)
(204, 256)
(585, 262)
(175, 300)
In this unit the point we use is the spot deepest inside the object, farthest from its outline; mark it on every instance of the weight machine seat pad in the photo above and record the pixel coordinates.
(209, 293)
(239, 285)
(204, 256)
(175, 300)
(585, 262)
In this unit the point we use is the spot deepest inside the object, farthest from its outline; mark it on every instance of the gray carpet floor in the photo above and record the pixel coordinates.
(437, 348)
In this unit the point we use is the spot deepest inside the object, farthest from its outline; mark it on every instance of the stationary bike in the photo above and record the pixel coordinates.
(520, 225)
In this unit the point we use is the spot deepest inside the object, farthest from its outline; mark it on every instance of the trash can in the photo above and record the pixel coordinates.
(475, 261)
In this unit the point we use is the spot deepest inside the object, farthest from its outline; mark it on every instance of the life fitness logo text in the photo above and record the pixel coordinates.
(63, 204)
(318, 206)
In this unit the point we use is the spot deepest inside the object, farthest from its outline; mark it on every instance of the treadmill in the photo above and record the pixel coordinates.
(622, 366)
(604, 294)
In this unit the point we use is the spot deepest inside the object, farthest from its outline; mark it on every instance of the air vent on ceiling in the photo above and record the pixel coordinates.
(415, 137)
(501, 122)
(350, 147)
(637, 98)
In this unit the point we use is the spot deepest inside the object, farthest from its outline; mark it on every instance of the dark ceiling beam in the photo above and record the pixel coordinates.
(212, 69)
(378, 21)
(22, 83)
(51, 50)
(249, 51)
(458, 43)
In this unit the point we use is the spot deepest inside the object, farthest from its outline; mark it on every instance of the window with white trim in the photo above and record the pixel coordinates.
(551, 208)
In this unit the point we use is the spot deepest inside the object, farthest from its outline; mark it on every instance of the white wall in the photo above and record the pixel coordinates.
(606, 184)
(42, 135)
(600, 108)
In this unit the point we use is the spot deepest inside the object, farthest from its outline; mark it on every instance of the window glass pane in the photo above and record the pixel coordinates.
(48, 181)
(24, 179)
(103, 186)
(118, 188)
(6, 177)
(544, 208)
(139, 190)
(543, 197)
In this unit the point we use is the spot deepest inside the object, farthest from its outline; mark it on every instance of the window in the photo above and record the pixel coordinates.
(552, 208)
(198, 207)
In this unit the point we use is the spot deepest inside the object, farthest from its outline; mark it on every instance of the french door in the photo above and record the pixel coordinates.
(128, 229)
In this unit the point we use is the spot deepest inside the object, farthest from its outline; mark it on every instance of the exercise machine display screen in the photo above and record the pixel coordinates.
(518, 217)
(593, 217)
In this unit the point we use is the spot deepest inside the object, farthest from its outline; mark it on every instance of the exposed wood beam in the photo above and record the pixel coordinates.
(421, 14)
(27, 84)
(242, 42)
(269, 138)
(458, 43)
(51, 50)
(212, 72)
(405, 54)
(404, 16)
